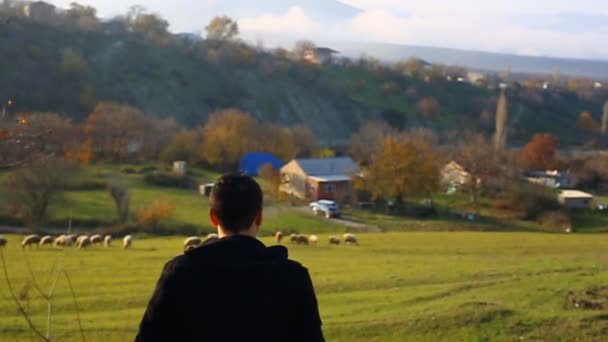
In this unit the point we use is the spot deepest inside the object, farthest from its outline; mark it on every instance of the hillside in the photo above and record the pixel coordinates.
(67, 70)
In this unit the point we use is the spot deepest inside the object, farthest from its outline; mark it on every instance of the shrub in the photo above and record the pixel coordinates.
(531, 200)
(84, 185)
(149, 218)
(129, 170)
(170, 180)
(146, 169)
(556, 220)
(267, 171)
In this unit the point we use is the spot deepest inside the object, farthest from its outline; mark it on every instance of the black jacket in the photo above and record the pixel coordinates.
(234, 289)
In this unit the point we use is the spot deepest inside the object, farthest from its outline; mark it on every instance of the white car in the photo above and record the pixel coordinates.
(326, 208)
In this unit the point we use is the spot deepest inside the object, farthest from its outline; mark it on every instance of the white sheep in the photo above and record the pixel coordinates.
(212, 237)
(63, 240)
(127, 242)
(46, 240)
(278, 236)
(313, 239)
(350, 239)
(192, 242)
(72, 237)
(334, 240)
(30, 240)
(83, 242)
(3, 241)
(96, 239)
(107, 240)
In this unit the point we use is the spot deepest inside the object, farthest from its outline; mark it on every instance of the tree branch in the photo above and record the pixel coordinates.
(67, 276)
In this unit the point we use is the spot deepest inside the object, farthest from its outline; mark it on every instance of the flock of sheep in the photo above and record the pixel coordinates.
(69, 240)
(300, 239)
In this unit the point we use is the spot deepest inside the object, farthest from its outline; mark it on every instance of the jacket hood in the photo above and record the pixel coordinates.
(238, 250)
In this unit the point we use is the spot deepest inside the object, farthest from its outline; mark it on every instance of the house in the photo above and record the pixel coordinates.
(597, 85)
(320, 55)
(251, 163)
(326, 178)
(477, 78)
(551, 179)
(454, 175)
(39, 10)
(179, 167)
(575, 199)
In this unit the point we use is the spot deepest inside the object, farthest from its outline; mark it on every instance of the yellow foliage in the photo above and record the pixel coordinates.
(325, 153)
(155, 213)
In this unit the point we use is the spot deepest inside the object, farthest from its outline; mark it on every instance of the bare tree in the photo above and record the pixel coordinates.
(605, 118)
(119, 191)
(366, 142)
(502, 113)
(222, 29)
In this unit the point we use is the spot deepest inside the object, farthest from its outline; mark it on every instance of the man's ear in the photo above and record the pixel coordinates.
(259, 218)
(213, 218)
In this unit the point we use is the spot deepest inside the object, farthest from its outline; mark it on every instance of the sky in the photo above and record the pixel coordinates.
(557, 28)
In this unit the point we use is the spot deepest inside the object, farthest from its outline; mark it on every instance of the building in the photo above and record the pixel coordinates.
(575, 199)
(315, 179)
(251, 163)
(179, 167)
(39, 10)
(454, 175)
(477, 78)
(551, 179)
(320, 55)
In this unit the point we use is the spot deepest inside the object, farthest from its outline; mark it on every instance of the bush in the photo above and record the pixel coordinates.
(556, 220)
(150, 218)
(532, 200)
(129, 170)
(146, 169)
(84, 185)
(170, 180)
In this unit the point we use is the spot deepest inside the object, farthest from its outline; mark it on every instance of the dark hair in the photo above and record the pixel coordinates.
(235, 200)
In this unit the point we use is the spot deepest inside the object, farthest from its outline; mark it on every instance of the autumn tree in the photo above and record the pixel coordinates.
(502, 115)
(428, 107)
(222, 28)
(366, 141)
(587, 123)
(278, 140)
(183, 146)
(305, 140)
(156, 135)
(412, 67)
(84, 17)
(403, 167)
(539, 153)
(115, 130)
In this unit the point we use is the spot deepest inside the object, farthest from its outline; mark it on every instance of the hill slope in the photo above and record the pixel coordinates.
(54, 68)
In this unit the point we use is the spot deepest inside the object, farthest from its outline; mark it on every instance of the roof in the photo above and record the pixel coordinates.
(575, 194)
(331, 178)
(324, 50)
(329, 166)
(251, 162)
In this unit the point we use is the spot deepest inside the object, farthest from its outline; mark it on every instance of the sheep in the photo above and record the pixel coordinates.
(299, 239)
(107, 240)
(63, 240)
(192, 242)
(334, 240)
(72, 237)
(350, 239)
(30, 240)
(278, 236)
(127, 242)
(96, 239)
(83, 242)
(46, 240)
(294, 238)
(313, 239)
(3, 241)
(212, 237)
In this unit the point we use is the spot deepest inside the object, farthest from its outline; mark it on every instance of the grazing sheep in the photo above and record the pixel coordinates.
(350, 239)
(192, 242)
(46, 240)
(127, 242)
(107, 241)
(3, 241)
(299, 239)
(72, 237)
(313, 239)
(334, 240)
(83, 242)
(294, 238)
(212, 237)
(278, 236)
(64, 241)
(96, 239)
(30, 240)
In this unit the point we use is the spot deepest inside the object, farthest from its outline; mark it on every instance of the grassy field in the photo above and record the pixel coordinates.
(393, 287)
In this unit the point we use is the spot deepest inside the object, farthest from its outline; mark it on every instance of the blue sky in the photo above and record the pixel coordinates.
(564, 28)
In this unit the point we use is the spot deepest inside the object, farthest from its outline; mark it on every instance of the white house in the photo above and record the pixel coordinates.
(320, 55)
(575, 199)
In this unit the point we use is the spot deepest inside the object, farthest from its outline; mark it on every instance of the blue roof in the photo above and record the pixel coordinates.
(251, 163)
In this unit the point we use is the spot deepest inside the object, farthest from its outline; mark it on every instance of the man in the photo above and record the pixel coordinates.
(234, 288)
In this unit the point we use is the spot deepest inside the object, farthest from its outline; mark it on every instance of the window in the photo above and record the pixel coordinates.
(330, 188)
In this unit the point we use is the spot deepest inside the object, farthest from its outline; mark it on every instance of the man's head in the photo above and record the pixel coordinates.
(236, 204)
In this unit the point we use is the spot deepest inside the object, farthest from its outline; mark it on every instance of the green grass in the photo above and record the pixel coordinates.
(393, 287)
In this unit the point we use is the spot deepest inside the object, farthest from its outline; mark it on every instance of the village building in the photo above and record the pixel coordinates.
(315, 179)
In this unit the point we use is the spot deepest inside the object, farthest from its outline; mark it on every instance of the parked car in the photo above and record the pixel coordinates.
(326, 208)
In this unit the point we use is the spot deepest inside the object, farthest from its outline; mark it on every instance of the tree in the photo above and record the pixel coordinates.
(539, 153)
(73, 63)
(85, 17)
(587, 123)
(502, 114)
(365, 142)
(302, 47)
(475, 154)
(182, 147)
(305, 140)
(119, 191)
(153, 215)
(222, 28)
(412, 67)
(428, 107)
(156, 135)
(402, 168)
(605, 118)
(34, 187)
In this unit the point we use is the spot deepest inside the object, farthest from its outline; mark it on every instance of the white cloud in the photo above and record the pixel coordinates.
(293, 21)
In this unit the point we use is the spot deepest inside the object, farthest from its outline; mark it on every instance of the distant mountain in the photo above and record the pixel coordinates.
(478, 60)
